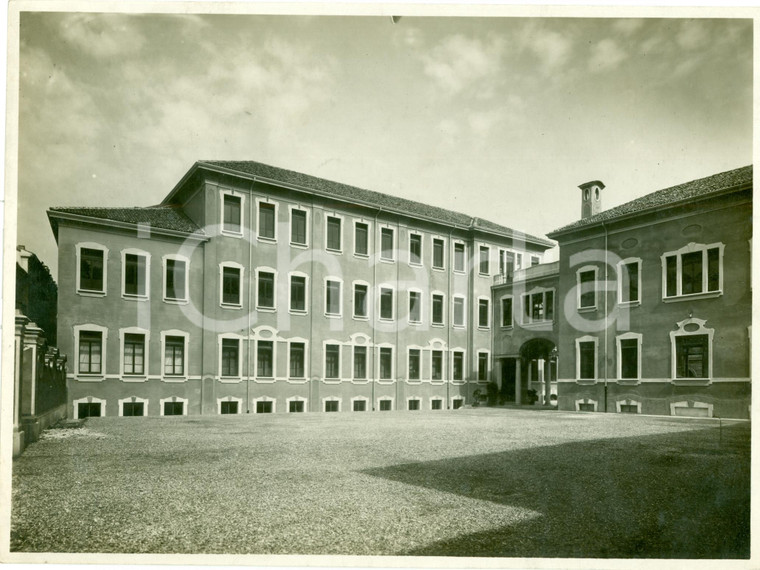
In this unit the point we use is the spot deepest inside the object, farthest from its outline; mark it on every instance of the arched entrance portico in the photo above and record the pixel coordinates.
(535, 368)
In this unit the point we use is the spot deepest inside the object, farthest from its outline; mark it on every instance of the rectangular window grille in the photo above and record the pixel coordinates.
(91, 269)
(361, 239)
(134, 353)
(174, 356)
(297, 359)
(90, 352)
(267, 221)
(298, 227)
(332, 361)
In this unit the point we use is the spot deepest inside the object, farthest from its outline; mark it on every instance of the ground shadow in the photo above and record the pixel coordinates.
(681, 495)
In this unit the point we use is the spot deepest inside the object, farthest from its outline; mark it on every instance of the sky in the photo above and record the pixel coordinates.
(500, 118)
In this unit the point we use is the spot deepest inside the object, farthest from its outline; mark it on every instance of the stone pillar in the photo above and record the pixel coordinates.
(34, 341)
(547, 381)
(18, 432)
(518, 381)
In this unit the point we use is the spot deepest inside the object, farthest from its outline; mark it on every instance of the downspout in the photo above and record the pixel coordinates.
(374, 315)
(251, 284)
(606, 327)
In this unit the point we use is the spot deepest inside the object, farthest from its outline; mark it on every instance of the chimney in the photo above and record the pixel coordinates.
(22, 257)
(591, 198)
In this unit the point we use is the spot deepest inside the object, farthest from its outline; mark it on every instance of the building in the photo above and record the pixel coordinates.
(253, 289)
(647, 311)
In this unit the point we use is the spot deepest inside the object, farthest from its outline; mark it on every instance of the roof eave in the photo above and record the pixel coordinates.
(54, 215)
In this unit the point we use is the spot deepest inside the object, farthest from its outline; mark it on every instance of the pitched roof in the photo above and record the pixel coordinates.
(685, 192)
(158, 217)
(370, 198)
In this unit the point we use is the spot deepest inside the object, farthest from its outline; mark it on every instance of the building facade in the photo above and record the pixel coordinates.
(648, 310)
(253, 289)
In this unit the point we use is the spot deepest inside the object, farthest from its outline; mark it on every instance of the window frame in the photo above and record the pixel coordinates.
(342, 221)
(297, 208)
(480, 354)
(133, 400)
(339, 281)
(418, 292)
(266, 200)
(89, 400)
(263, 399)
(454, 245)
(332, 399)
(367, 302)
(186, 261)
(363, 399)
(91, 292)
(241, 280)
(452, 358)
(366, 362)
(442, 353)
(442, 295)
(580, 293)
(380, 347)
(678, 254)
(273, 341)
(621, 272)
(305, 343)
(238, 401)
(511, 300)
(409, 350)
(339, 376)
(91, 327)
(220, 340)
(384, 228)
(306, 299)
(419, 262)
(135, 296)
(528, 319)
(487, 300)
(301, 399)
(578, 342)
(454, 298)
(481, 248)
(259, 306)
(185, 356)
(235, 194)
(638, 337)
(442, 240)
(369, 245)
(129, 376)
(680, 332)
(381, 288)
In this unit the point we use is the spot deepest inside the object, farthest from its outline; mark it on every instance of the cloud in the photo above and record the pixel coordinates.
(459, 61)
(627, 26)
(550, 47)
(692, 34)
(605, 55)
(102, 36)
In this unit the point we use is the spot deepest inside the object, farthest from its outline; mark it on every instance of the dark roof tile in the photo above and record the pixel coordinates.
(162, 217)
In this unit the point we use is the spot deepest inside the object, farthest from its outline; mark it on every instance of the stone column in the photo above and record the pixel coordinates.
(547, 381)
(518, 381)
(18, 432)
(34, 339)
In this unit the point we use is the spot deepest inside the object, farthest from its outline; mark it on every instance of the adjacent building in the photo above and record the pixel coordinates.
(253, 289)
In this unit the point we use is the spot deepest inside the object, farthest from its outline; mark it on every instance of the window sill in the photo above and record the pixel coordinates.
(134, 378)
(361, 255)
(230, 306)
(586, 381)
(587, 309)
(691, 381)
(297, 380)
(486, 275)
(299, 245)
(415, 264)
(459, 327)
(334, 251)
(266, 309)
(298, 311)
(90, 377)
(693, 296)
(264, 239)
(176, 301)
(360, 318)
(629, 381)
(231, 234)
(437, 325)
(386, 319)
(460, 272)
(174, 378)
(508, 327)
(537, 324)
(414, 323)
(434, 268)
(359, 381)
(230, 379)
(629, 304)
(480, 328)
(387, 260)
(128, 297)
(333, 316)
(84, 293)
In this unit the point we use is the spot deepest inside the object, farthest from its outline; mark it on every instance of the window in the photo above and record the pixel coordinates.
(230, 357)
(298, 227)
(438, 253)
(458, 311)
(360, 362)
(386, 303)
(88, 410)
(134, 353)
(459, 257)
(506, 262)
(587, 288)
(296, 406)
(386, 405)
(332, 406)
(386, 363)
(483, 313)
(92, 270)
(414, 363)
(359, 405)
(485, 252)
(436, 404)
(458, 368)
(360, 300)
(332, 361)
(415, 307)
(437, 309)
(267, 221)
(629, 358)
(413, 404)
(132, 409)
(415, 249)
(334, 234)
(534, 260)
(90, 352)
(332, 297)
(231, 286)
(629, 281)
(629, 408)
(264, 359)
(694, 269)
(586, 358)
(482, 366)
(386, 244)
(457, 403)
(228, 407)
(264, 407)
(506, 312)
(265, 290)
(173, 406)
(361, 238)
(436, 365)
(174, 356)
(538, 306)
(692, 353)
(297, 359)
(175, 279)
(298, 293)
(135, 275)
(518, 260)
(231, 220)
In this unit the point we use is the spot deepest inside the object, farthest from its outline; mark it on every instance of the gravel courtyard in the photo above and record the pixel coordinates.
(471, 482)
